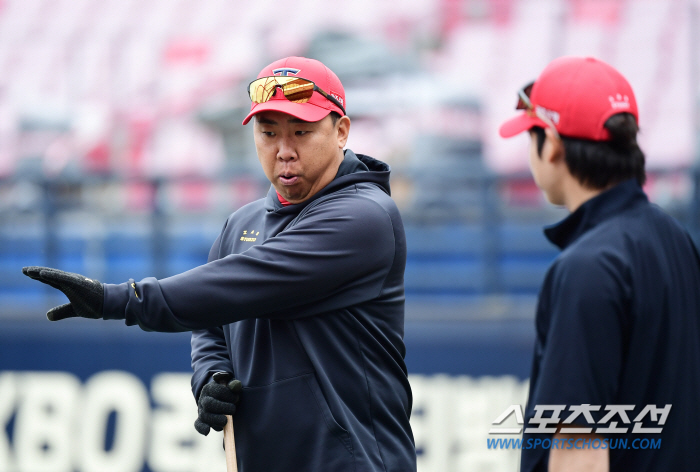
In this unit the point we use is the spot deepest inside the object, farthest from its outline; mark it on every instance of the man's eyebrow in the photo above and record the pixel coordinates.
(296, 120)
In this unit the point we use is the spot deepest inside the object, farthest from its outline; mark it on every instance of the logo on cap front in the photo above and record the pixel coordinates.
(285, 71)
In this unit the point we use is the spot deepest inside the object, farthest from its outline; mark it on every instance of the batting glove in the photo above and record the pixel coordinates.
(215, 402)
(86, 296)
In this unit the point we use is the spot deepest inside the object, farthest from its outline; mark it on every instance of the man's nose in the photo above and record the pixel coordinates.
(286, 151)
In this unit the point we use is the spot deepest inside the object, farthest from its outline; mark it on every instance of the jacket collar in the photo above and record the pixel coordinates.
(594, 211)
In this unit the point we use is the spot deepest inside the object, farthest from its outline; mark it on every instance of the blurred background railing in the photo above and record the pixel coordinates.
(474, 237)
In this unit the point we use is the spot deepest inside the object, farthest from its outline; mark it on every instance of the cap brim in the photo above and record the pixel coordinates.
(520, 123)
(304, 111)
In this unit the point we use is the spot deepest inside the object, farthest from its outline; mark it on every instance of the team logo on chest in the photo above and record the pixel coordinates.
(250, 236)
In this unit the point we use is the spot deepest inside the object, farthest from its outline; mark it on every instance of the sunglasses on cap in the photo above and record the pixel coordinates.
(295, 89)
(524, 103)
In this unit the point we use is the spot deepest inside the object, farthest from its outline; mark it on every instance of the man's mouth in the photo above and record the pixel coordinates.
(288, 179)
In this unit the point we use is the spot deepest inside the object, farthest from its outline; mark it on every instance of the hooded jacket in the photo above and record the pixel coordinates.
(304, 304)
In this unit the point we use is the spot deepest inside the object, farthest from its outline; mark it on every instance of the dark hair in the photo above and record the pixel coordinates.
(335, 116)
(600, 164)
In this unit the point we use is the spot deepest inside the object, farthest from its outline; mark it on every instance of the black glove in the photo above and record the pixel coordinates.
(216, 401)
(86, 295)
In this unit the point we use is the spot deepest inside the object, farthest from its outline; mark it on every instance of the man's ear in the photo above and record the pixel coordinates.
(553, 148)
(343, 126)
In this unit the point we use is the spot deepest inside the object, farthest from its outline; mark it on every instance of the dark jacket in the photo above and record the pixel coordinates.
(305, 305)
(618, 323)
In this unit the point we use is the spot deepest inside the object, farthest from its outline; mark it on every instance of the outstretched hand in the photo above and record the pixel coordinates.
(86, 295)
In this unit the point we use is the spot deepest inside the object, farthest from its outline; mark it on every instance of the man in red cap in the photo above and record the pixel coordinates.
(614, 382)
(302, 300)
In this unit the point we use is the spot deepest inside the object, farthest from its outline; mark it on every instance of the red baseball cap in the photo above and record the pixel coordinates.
(318, 106)
(578, 95)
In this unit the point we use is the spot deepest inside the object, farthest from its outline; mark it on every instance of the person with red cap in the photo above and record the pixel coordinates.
(614, 382)
(301, 305)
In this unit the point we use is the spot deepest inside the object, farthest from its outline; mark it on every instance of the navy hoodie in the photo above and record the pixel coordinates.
(305, 305)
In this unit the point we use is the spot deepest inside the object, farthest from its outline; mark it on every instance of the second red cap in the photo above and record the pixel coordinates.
(578, 94)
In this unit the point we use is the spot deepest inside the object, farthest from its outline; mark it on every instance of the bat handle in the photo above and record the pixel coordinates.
(230, 446)
(229, 439)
